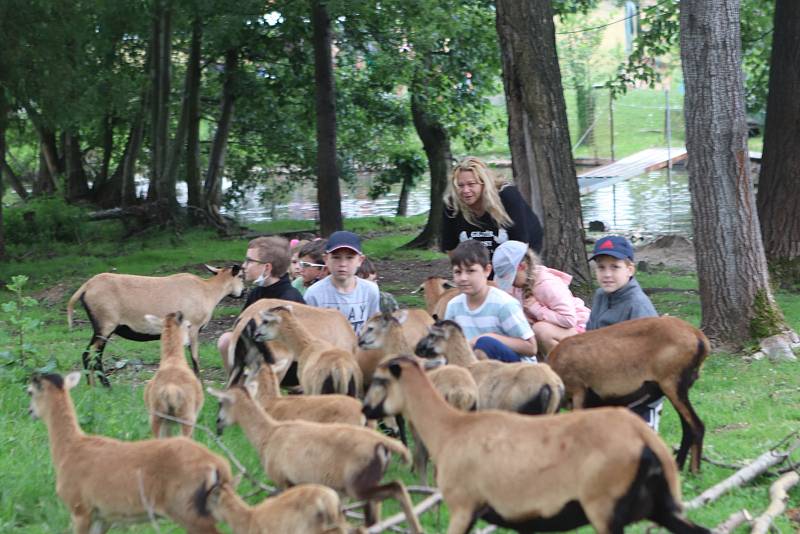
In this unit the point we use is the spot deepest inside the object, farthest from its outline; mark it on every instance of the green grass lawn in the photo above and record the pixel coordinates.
(747, 406)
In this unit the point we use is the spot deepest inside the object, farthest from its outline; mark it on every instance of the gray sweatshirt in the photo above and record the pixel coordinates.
(627, 302)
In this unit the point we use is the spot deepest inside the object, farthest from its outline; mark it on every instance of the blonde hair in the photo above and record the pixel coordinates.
(490, 197)
(532, 262)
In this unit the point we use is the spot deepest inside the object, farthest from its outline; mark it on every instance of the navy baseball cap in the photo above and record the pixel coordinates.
(615, 246)
(342, 239)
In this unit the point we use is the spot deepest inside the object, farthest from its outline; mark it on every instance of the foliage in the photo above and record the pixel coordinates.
(45, 219)
(405, 166)
(767, 320)
(23, 356)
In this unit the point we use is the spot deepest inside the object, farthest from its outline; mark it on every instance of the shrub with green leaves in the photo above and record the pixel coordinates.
(45, 219)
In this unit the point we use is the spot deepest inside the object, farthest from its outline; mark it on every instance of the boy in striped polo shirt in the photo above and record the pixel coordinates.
(492, 320)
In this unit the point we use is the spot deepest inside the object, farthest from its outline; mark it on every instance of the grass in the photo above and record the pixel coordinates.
(747, 406)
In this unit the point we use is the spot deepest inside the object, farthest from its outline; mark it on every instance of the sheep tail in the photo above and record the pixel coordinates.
(462, 399)
(171, 399)
(71, 304)
(396, 446)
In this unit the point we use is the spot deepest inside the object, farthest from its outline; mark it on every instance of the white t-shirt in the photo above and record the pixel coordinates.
(357, 306)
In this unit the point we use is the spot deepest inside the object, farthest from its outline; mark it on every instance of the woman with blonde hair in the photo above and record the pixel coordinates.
(550, 307)
(483, 206)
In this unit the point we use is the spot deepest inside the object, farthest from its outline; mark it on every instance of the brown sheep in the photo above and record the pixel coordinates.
(174, 390)
(117, 304)
(618, 363)
(103, 480)
(602, 467)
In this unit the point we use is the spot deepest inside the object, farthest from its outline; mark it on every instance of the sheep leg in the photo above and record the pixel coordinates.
(155, 425)
(420, 457)
(398, 491)
(99, 527)
(372, 512)
(578, 399)
(679, 397)
(96, 370)
(195, 349)
(461, 520)
(81, 522)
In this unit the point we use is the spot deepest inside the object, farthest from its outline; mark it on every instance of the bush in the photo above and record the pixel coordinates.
(44, 219)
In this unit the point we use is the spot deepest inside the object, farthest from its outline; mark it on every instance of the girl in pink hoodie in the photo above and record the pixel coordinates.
(551, 308)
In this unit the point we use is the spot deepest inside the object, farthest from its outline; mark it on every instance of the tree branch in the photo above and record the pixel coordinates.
(778, 494)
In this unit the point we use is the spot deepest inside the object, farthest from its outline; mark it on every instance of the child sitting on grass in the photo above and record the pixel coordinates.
(620, 298)
(356, 298)
(492, 320)
(551, 308)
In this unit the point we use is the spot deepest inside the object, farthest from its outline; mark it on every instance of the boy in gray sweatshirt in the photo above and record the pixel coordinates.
(620, 298)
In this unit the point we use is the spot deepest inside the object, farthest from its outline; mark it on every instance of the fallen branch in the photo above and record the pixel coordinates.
(741, 477)
(269, 489)
(419, 509)
(778, 496)
(736, 519)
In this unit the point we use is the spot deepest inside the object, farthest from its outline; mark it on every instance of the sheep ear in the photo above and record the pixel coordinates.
(435, 317)
(214, 270)
(396, 370)
(401, 316)
(252, 386)
(447, 284)
(212, 479)
(72, 380)
(235, 270)
(221, 395)
(155, 321)
(420, 288)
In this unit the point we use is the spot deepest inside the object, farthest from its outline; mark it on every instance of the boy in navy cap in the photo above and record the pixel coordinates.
(620, 298)
(358, 299)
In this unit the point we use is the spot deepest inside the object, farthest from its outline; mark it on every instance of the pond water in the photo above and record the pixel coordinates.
(649, 204)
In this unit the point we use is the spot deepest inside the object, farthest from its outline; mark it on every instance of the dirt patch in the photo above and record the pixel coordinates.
(404, 276)
(668, 252)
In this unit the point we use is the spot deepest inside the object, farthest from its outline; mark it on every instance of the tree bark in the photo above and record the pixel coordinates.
(13, 179)
(527, 39)
(161, 189)
(402, 201)
(194, 185)
(77, 187)
(216, 163)
(436, 144)
(735, 295)
(44, 184)
(3, 166)
(779, 183)
(108, 149)
(328, 194)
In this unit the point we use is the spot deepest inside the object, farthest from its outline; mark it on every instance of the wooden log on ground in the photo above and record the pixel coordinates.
(778, 497)
(730, 524)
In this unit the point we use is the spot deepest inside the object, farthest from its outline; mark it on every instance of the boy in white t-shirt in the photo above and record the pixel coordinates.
(356, 298)
(492, 320)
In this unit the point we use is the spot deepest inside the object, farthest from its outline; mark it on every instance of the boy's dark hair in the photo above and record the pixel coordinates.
(275, 250)
(314, 250)
(367, 268)
(470, 252)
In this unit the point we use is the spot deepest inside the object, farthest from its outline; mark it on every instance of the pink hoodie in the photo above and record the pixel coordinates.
(552, 301)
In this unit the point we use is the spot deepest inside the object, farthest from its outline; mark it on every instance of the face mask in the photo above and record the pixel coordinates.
(261, 279)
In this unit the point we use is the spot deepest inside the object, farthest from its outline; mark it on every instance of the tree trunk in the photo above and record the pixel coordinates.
(77, 187)
(527, 37)
(436, 144)
(13, 179)
(161, 189)
(108, 150)
(3, 165)
(120, 189)
(328, 194)
(402, 201)
(44, 184)
(216, 163)
(194, 185)
(735, 296)
(779, 182)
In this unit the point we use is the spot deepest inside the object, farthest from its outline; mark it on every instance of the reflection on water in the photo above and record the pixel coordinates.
(646, 204)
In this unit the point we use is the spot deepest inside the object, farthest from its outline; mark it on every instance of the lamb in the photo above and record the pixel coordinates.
(174, 390)
(603, 467)
(117, 304)
(518, 387)
(618, 364)
(329, 325)
(321, 367)
(351, 460)
(103, 480)
(438, 292)
(307, 508)
(319, 408)
(413, 325)
(385, 336)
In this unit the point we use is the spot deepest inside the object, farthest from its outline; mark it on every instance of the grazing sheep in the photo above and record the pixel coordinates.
(103, 480)
(321, 367)
(617, 364)
(319, 408)
(117, 304)
(603, 467)
(174, 390)
(307, 509)
(518, 387)
(349, 459)
(328, 324)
